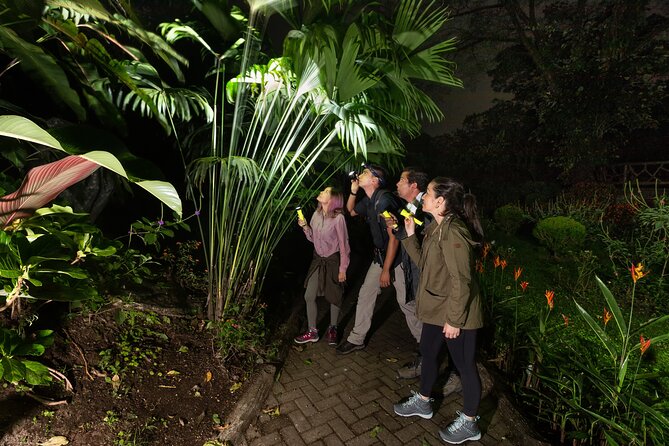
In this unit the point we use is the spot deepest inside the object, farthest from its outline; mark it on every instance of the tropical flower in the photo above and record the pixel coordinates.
(496, 261)
(523, 285)
(645, 343)
(637, 272)
(607, 316)
(486, 249)
(517, 272)
(549, 298)
(503, 264)
(479, 266)
(566, 320)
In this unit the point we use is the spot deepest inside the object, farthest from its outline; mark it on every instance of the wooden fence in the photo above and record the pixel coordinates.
(647, 174)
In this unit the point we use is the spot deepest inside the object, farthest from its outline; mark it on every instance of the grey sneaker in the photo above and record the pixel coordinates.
(461, 430)
(411, 370)
(415, 405)
(453, 384)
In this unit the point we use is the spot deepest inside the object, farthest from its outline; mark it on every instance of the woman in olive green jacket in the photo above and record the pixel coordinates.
(448, 301)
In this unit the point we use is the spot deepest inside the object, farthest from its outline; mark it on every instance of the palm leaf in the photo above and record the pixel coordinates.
(42, 69)
(597, 330)
(615, 309)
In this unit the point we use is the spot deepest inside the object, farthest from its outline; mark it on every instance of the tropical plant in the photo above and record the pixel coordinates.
(90, 60)
(344, 91)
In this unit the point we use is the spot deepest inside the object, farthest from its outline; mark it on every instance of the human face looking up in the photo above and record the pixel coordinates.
(433, 204)
(324, 196)
(405, 189)
(366, 178)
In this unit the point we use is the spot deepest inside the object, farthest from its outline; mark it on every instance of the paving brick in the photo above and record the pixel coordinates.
(341, 429)
(333, 440)
(345, 414)
(316, 433)
(289, 396)
(362, 440)
(409, 432)
(366, 410)
(299, 421)
(291, 436)
(364, 425)
(321, 417)
(275, 423)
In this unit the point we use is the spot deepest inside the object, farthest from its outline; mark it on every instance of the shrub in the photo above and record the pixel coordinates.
(560, 234)
(509, 218)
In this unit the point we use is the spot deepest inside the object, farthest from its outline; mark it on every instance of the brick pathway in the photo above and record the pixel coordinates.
(328, 399)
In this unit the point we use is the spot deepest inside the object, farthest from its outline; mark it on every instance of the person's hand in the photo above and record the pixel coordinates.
(391, 222)
(301, 222)
(342, 276)
(384, 281)
(355, 185)
(410, 226)
(450, 332)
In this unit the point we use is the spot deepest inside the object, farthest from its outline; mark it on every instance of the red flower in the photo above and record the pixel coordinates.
(645, 343)
(479, 266)
(503, 264)
(496, 261)
(549, 298)
(486, 249)
(637, 272)
(517, 272)
(523, 285)
(607, 316)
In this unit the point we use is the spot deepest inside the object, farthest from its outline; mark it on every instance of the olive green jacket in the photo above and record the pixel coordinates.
(448, 290)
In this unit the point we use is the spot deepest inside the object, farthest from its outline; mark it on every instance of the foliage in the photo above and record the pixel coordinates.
(577, 83)
(645, 242)
(560, 234)
(185, 267)
(243, 340)
(94, 63)
(340, 91)
(14, 348)
(509, 218)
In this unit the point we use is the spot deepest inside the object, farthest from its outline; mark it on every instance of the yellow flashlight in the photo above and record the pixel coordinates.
(300, 215)
(407, 214)
(386, 214)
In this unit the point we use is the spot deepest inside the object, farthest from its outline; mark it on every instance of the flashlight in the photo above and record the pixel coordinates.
(407, 214)
(386, 214)
(300, 215)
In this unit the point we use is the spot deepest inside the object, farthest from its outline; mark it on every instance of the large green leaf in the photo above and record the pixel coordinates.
(597, 330)
(42, 69)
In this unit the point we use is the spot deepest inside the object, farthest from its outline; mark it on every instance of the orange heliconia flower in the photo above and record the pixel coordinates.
(566, 320)
(607, 316)
(479, 266)
(549, 298)
(496, 261)
(645, 343)
(523, 285)
(486, 249)
(503, 264)
(517, 272)
(637, 272)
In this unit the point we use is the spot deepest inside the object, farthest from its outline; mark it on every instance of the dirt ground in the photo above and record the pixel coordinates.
(136, 381)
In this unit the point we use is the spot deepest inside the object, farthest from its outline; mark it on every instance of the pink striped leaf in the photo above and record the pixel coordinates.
(42, 184)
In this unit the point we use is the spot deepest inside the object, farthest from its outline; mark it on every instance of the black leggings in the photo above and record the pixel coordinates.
(463, 353)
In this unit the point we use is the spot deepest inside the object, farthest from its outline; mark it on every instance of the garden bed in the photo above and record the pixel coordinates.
(138, 377)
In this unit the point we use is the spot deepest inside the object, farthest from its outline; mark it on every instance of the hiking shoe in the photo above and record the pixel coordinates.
(410, 370)
(331, 335)
(461, 430)
(346, 347)
(415, 405)
(453, 384)
(307, 336)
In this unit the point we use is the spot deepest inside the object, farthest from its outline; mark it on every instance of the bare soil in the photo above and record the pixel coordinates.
(175, 392)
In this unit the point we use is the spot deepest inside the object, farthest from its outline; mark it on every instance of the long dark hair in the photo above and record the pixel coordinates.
(460, 203)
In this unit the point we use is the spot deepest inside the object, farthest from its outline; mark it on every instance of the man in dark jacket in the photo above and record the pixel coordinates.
(411, 187)
(386, 268)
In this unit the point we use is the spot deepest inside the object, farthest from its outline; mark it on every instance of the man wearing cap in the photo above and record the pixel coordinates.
(386, 268)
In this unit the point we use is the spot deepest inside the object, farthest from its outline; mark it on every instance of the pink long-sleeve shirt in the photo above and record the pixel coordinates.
(329, 235)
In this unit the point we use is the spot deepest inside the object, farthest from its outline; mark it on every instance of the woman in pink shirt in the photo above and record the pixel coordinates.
(327, 273)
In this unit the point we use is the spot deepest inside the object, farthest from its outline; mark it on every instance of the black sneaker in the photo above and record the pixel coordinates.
(346, 347)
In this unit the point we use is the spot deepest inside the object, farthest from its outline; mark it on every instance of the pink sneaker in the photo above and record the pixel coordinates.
(331, 335)
(307, 336)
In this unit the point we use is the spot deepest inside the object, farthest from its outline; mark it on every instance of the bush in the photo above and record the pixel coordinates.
(509, 218)
(560, 234)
